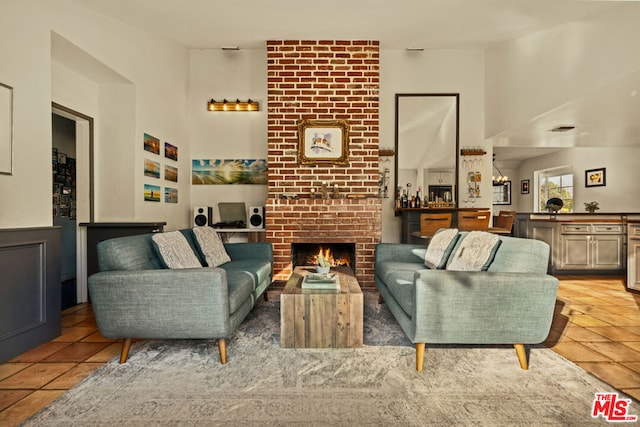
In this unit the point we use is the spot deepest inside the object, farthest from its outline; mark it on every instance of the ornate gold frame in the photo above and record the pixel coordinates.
(318, 142)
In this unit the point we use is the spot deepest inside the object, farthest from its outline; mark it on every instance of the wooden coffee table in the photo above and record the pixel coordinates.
(321, 318)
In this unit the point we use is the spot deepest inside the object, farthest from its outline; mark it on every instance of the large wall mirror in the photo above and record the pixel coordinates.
(427, 141)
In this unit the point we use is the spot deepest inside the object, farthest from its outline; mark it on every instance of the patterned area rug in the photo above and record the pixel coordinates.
(183, 383)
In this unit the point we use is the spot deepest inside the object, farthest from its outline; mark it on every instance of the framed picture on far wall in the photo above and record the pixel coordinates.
(323, 141)
(524, 186)
(595, 177)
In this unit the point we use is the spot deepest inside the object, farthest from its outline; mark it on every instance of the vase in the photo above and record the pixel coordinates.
(322, 270)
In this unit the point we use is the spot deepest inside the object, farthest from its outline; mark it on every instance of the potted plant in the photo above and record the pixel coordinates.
(591, 207)
(323, 266)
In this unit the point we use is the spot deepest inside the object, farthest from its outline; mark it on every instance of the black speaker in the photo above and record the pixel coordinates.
(256, 217)
(202, 216)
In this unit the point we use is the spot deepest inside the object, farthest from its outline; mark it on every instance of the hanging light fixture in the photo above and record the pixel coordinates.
(500, 179)
(236, 105)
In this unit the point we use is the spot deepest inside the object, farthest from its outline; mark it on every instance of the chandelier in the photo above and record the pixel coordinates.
(500, 179)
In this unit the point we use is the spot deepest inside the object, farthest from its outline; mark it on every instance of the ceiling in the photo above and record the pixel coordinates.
(401, 24)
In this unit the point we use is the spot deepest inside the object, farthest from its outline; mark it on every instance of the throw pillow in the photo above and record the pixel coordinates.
(211, 246)
(475, 252)
(440, 247)
(174, 250)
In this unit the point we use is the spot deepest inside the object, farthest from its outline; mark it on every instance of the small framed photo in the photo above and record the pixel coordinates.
(151, 193)
(524, 186)
(170, 151)
(323, 142)
(595, 177)
(151, 144)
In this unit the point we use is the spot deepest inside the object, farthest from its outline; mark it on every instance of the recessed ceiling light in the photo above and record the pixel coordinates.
(563, 128)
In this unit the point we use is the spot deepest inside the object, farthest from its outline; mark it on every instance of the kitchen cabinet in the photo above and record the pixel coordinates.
(633, 263)
(440, 177)
(591, 247)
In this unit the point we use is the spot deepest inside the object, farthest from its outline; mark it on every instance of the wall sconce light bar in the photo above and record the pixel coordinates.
(236, 105)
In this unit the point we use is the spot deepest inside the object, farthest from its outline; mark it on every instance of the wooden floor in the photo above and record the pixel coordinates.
(596, 325)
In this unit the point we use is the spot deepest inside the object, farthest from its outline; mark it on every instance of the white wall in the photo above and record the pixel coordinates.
(535, 74)
(621, 194)
(434, 71)
(157, 105)
(232, 75)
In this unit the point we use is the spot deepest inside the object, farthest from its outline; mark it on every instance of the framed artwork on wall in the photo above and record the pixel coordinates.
(524, 186)
(502, 193)
(323, 142)
(151, 144)
(170, 151)
(228, 171)
(151, 168)
(6, 129)
(151, 193)
(595, 177)
(170, 173)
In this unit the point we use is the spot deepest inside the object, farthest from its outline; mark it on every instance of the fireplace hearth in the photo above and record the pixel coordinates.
(338, 254)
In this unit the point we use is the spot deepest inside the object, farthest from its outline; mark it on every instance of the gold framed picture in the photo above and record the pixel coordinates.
(323, 142)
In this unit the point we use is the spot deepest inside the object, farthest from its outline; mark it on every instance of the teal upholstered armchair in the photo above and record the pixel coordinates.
(512, 302)
(135, 296)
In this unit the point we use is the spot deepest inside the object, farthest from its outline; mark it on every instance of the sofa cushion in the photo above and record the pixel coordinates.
(259, 270)
(440, 247)
(211, 246)
(475, 252)
(174, 250)
(240, 285)
(402, 287)
(384, 269)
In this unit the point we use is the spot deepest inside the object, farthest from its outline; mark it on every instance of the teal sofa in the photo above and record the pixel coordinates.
(512, 302)
(135, 296)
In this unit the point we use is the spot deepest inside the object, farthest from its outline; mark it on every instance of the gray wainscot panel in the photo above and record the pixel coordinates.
(30, 310)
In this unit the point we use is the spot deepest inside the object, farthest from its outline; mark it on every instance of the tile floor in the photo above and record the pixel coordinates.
(596, 325)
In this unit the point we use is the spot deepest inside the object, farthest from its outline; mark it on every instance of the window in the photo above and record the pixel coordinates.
(554, 183)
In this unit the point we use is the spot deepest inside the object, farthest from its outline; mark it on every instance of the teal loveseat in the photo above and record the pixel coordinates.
(512, 302)
(135, 296)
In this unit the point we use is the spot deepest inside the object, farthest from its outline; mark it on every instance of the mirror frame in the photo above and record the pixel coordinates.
(457, 147)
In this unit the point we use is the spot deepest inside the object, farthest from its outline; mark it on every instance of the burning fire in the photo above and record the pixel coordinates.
(327, 255)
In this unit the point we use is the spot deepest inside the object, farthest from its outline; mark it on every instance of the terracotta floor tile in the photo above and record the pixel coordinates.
(634, 366)
(8, 369)
(617, 352)
(25, 408)
(41, 352)
(577, 352)
(613, 374)
(72, 376)
(581, 334)
(9, 397)
(36, 375)
(75, 333)
(614, 333)
(97, 337)
(107, 354)
(587, 320)
(77, 352)
(635, 345)
(73, 319)
(632, 392)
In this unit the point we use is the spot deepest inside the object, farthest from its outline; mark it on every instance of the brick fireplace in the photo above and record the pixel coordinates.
(332, 80)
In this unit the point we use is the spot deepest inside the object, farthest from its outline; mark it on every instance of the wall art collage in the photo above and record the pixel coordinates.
(153, 169)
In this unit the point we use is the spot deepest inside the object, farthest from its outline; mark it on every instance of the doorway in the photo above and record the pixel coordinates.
(72, 174)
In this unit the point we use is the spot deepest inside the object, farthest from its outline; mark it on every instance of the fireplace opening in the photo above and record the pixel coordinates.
(338, 254)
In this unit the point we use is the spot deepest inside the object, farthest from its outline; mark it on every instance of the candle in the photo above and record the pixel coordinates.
(313, 190)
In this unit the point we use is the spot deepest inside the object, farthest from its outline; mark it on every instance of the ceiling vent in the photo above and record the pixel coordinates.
(563, 128)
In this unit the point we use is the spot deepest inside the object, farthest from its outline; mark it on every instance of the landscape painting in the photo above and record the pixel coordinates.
(170, 173)
(151, 193)
(151, 144)
(151, 168)
(228, 171)
(170, 195)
